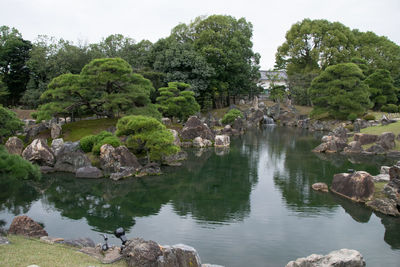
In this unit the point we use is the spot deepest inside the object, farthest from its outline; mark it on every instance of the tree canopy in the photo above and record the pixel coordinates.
(381, 88)
(340, 91)
(9, 123)
(104, 87)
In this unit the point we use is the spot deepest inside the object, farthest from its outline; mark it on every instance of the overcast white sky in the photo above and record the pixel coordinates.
(91, 20)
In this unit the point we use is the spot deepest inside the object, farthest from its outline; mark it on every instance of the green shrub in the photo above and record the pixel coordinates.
(9, 123)
(369, 117)
(390, 108)
(87, 143)
(17, 167)
(148, 111)
(350, 127)
(231, 115)
(92, 143)
(111, 140)
(352, 117)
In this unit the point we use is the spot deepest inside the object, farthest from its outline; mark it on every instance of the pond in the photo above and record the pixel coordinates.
(249, 206)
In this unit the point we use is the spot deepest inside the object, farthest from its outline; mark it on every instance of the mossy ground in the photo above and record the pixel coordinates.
(379, 190)
(75, 131)
(23, 252)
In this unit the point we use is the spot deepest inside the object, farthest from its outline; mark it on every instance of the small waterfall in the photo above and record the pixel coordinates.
(268, 120)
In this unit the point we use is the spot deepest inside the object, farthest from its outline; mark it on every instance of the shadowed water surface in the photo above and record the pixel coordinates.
(250, 205)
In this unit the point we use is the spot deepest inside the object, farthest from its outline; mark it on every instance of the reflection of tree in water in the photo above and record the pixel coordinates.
(210, 187)
(16, 196)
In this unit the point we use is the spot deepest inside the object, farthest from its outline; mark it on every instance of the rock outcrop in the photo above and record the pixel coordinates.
(71, 161)
(387, 140)
(88, 172)
(118, 160)
(14, 145)
(55, 130)
(39, 152)
(389, 204)
(175, 159)
(222, 141)
(343, 258)
(358, 186)
(23, 225)
(194, 127)
(177, 140)
(365, 139)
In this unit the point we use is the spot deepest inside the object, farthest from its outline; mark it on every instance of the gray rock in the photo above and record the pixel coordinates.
(51, 240)
(384, 170)
(320, 187)
(222, 141)
(177, 140)
(381, 178)
(210, 265)
(358, 186)
(353, 147)
(255, 102)
(80, 242)
(14, 145)
(71, 161)
(239, 125)
(394, 172)
(150, 169)
(186, 256)
(55, 131)
(39, 152)
(337, 258)
(198, 142)
(384, 205)
(376, 149)
(88, 172)
(242, 102)
(139, 252)
(114, 160)
(365, 138)
(387, 140)
(331, 144)
(57, 145)
(46, 169)
(125, 173)
(34, 130)
(166, 121)
(4, 240)
(194, 127)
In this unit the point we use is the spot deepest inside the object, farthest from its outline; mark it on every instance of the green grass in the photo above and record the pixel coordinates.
(75, 131)
(379, 190)
(378, 130)
(23, 252)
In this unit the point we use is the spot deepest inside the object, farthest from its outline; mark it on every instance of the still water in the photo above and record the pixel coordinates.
(249, 206)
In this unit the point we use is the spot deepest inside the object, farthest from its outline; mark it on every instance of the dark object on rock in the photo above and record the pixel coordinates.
(320, 187)
(194, 127)
(358, 186)
(39, 152)
(14, 145)
(113, 160)
(338, 258)
(386, 140)
(23, 225)
(80, 242)
(139, 252)
(88, 172)
(150, 169)
(71, 161)
(365, 138)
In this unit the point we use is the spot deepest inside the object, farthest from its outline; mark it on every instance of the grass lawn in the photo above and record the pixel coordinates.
(23, 252)
(74, 131)
(392, 127)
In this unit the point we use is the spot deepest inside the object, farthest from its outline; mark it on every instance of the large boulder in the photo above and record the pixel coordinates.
(175, 159)
(354, 147)
(57, 145)
(239, 125)
(14, 145)
(33, 130)
(39, 152)
(114, 160)
(222, 141)
(387, 140)
(194, 127)
(338, 258)
(376, 149)
(88, 172)
(331, 144)
(365, 138)
(358, 186)
(23, 225)
(254, 117)
(323, 187)
(55, 130)
(179, 256)
(394, 172)
(71, 161)
(390, 202)
(151, 168)
(139, 252)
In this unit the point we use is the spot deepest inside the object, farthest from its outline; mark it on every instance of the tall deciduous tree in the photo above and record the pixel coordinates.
(340, 91)
(14, 53)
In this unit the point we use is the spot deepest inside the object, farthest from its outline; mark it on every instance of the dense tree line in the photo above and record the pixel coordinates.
(313, 46)
(212, 54)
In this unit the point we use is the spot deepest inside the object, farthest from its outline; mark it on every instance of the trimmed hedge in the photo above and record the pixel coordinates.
(231, 116)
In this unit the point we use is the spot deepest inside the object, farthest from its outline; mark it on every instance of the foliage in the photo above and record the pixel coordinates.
(149, 111)
(148, 135)
(9, 123)
(231, 116)
(390, 108)
(14, 52)
(104, 87)
(277, 92)
(352, 117)
(339, 90)
(75, 131)
(381, 87)
(17, 167)
(369, 117)
(92, 143)
(3, 92)
(177, 101)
